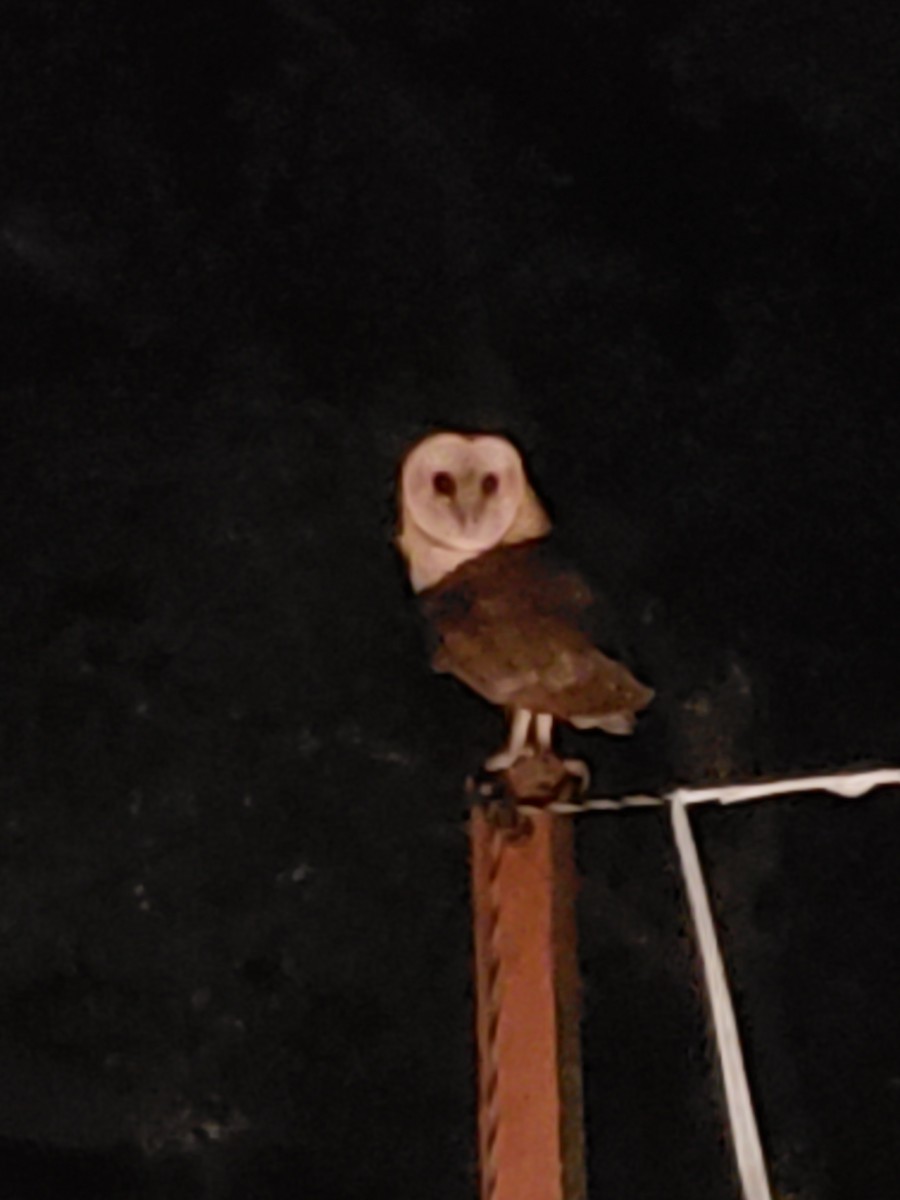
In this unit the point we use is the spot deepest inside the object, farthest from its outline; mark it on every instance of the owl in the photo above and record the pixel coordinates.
(507, 620)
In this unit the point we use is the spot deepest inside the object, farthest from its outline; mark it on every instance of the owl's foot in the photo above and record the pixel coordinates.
(517, 747)
(543, 779)
(535, 780)
(578, 770)
(506, 758)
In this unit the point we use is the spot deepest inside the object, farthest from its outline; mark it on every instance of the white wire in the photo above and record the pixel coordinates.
(744, 1131)
(856, 783)
(850, 784)
(746, 1141)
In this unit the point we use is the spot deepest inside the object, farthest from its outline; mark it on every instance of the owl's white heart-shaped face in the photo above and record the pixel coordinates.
(464, 493)
(461, 495)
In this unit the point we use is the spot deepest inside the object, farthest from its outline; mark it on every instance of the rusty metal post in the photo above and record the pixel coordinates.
(531, 1129)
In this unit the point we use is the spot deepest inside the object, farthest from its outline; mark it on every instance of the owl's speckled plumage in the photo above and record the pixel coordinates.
(509, 623)
(510, 626)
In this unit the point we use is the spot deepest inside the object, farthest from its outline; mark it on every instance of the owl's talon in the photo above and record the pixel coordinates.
(504, 759)
(578, 770)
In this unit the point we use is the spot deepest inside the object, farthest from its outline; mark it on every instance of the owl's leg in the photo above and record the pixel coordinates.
(543, 728)
(543, 731)
(516, 744)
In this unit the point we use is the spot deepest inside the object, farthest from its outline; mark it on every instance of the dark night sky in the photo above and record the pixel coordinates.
(246, 255)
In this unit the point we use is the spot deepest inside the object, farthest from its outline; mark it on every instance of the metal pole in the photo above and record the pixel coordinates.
(531, 1131)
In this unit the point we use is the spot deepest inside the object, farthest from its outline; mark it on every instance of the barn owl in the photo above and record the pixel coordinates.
(509, 623)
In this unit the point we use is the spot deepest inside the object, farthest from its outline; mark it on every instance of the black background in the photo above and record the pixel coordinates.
(247, 253)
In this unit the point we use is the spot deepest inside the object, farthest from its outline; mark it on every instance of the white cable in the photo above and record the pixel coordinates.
(744, 1132)
(855, 784)
(845, 784)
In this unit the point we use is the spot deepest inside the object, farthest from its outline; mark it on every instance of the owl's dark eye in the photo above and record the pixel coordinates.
(489, 484)
(444, 484)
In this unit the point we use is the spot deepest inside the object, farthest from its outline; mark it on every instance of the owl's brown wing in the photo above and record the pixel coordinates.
(508, 625)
